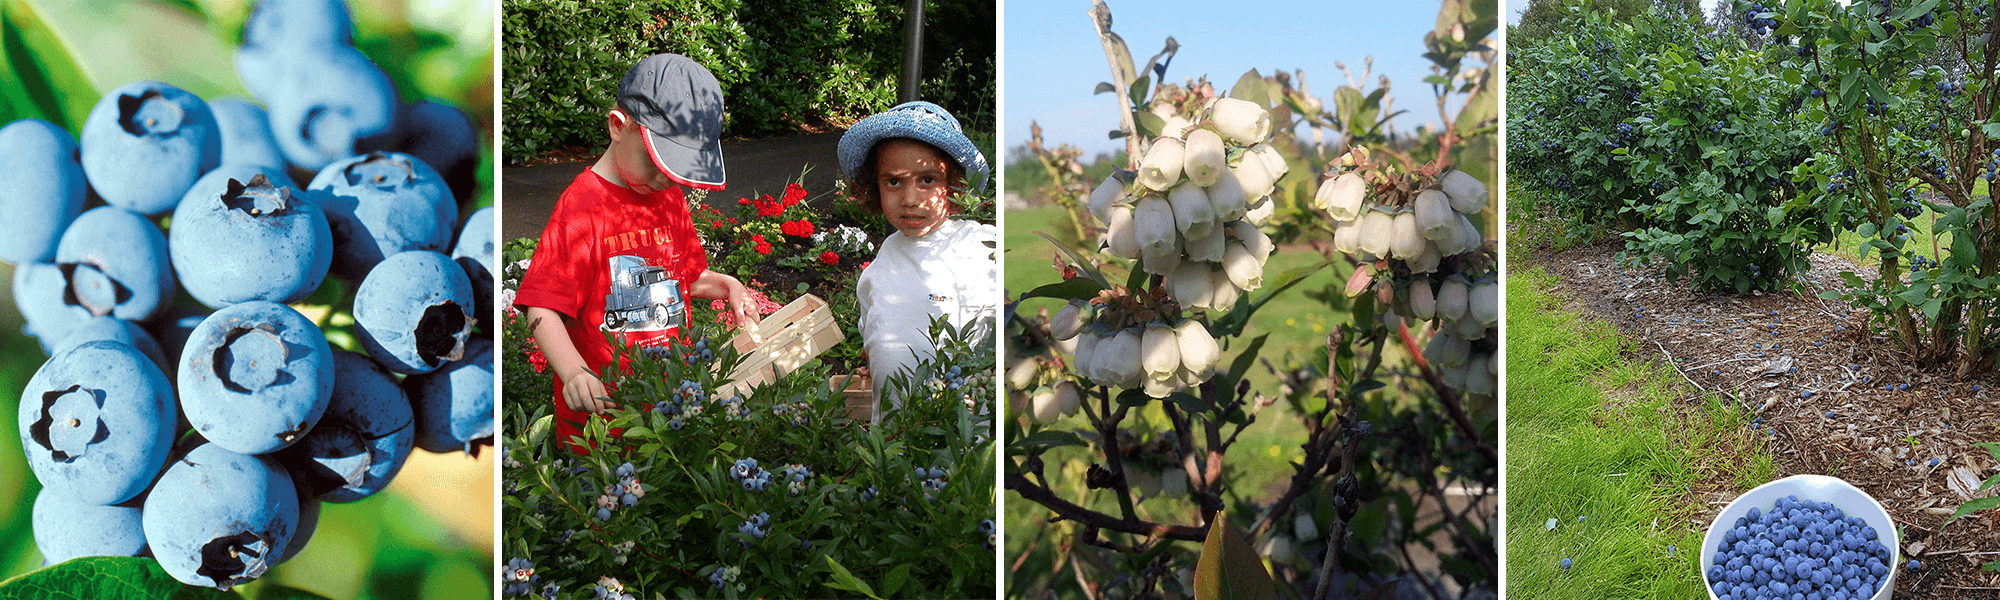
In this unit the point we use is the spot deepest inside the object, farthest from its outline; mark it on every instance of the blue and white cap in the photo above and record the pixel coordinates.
(921, 121)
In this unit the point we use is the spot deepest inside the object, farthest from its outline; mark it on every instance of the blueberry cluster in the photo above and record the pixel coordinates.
(625, 493)
(755, 527)
(1756, 20)
(992, 534)
(723, 576)
(1799, 548)
(795, 477)
(608, 588)
(207, 435)
(746, 472)
(799, 413)
(519, 577)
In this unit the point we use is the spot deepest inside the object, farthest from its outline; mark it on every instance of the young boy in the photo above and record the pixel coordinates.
(906, 164)
(620, 253)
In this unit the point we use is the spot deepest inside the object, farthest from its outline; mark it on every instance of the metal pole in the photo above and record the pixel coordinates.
(913, 53)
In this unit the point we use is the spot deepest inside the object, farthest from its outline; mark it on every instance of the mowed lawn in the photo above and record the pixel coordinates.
(1594, 433)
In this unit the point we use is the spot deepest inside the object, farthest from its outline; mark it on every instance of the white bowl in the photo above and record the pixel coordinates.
(1818, 488)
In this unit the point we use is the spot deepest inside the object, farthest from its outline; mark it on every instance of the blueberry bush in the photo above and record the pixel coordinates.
(771, 493)
(1129, 403)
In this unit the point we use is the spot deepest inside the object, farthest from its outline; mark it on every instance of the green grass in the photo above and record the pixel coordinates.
(1592, 432)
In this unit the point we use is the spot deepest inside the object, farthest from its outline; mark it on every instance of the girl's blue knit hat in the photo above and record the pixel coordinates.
(921, 121)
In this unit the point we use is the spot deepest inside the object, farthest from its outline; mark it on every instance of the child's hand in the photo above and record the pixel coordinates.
(585, 393)
(742, 305)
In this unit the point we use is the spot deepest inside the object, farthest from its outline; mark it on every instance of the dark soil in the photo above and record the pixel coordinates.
(1792, 359)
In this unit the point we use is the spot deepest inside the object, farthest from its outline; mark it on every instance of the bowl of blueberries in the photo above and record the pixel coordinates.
(1809, 535)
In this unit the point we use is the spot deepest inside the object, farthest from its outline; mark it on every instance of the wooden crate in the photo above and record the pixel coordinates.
(859, 390)
(777, 345)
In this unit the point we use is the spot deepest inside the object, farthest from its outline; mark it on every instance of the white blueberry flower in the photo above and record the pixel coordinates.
(1483, 305)
(1207, 248)
(1153, 223)
(1274, 163)
(1242, 122)
(1377, 233)
(1022, 373)
(1253, 239)
(1423, 304)
(1189, 284)
(1085, 355)
(1256, 178)
(1243, 268)
(1162, 167)
(1278, 548)
(1223, 293)
(1227, 195)
(1159, 352)
(1069, 397)
(1120, 235)
(1452, 298)
(1304, 527)
(1427, 262)
(1162, 260)
(1121, 362)
(1347, 236)
(1468, 195)
(1477, 379)
(1260, 211)
(1446, 349)
(1194, 215)
(1407, 241)
(1205, 156)
(1068, 321)
(1341, 197)
(1198, 351)
(1174, 127)
(1107, 193)
(1043, 408)
(1435, 219)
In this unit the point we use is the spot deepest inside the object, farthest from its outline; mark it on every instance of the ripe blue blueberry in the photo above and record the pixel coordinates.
(255, 377)
(115, 263)
(218, 518)
(414, 312)
(1915, 564)
(1565, 564)
(445, 138)
(145, 143)
(66, 528)
(382, 203)
(475, 253)
(97, 422)
(454, 404)
(246, 134)
(41, 189)
(117, 330)
(363, 439)
(243, 233)
(40, 291)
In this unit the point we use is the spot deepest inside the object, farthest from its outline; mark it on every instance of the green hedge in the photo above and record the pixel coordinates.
(784, 66)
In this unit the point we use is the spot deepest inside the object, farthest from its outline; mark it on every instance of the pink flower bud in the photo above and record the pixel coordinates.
(1360, 280)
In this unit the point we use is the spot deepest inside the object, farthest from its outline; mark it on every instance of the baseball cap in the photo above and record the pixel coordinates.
(921, 121)
(680, 104)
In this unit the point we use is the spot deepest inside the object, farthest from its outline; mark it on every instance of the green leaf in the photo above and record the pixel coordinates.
(1082, 265)
(106, 578)
(1149, 124)
(1104, 86)
(1074, 288)
(895, 579)
(1478, 110)
(1248, 357)
(45, 81)
(1134, 398)
(1189, 402)
(1048, 438)
(1251, 87)
(279, 592)
(1138, 92)
(1229, 568)
(1973, 507)
(540, 430)
(845, 580)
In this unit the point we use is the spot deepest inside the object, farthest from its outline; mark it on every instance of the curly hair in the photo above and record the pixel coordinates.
(864, 191)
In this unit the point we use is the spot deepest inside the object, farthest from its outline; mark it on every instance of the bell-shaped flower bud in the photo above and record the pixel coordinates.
(1278, 548)
(1108, 192)
(1469, 237)
(1227, 195)
(1360, 280)
(1189, 285)
(1477, 379)
(1175, 126)
(1274, 163)
(1022, 373)
(1452, 296)
(1069, 398)
(1162, 167)
(1069, 320)
(1446, 349)
(1243, 268)
(1427, 262)
(1153, 223)
(1043, 408)
(1255, 177)
(1223, 292)
(1423, 303)
(1342, 196)
(1155, 388)
(1253, 239)
(1377, 233)
(1407, 241)
(1434, 215)
(1468, 195)
(1159, 352)
(1468, 328)
(1206, 158)
(1347, 236)
(1208, 248)
(1483, 305)
(1242, 122)
(1085, 357)
(1193, 214)
(1303, 525)
(1120, 236)
(1261, 209)
(1120, 361)
(1163, 260)
(1198, 350)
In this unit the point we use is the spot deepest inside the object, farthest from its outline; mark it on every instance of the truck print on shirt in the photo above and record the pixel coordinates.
(642, 298)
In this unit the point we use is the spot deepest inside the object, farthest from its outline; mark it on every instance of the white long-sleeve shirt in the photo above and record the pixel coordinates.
(951, 272)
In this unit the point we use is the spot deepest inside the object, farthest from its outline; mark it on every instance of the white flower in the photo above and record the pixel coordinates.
(1193, 214)
(1043, 407)
(1434, 215)
(1153, 223)
(1426, 262)
(1121, 362)
(1206, 248)
(1469, 237)
(1468, 195)
(1451, 299)
(1304, 527)
(1347, 236)
(1119, 234)
(1242, 122)
(1227, 196)
(1206, 159)
(1068, 397)
(1274, 163)
(1022, 373)
(1408, 241)
(1107, 193)
(1260, 211)
(1477, 379)
(1377, 233)
(1254, 240)
(1222, 292)
(1484, 304)
(1446, 349)
(1341, 196)
(1174, 127)
(1162, 260)
(1255, 178)
(1278, 548)
(1068, 321)
(1198, 351)
(1085, 355)
(1243, 268)
(1162, 167)
(1423, 304)
(1189, 285)
(1159, 352)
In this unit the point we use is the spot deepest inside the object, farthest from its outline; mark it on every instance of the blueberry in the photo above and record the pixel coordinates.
(243, 233)
(1934, 462)
(445, 138)
(414, 312)
(41, 189)
(363, 439)
(255, 377)
(219, 519)
(474, 252)
(379, 204)
(1915, 564)
(309, 510)
(297, 24)
(327, 100)
(97, 422)
(145, 143)
(115, 263)
(246, 134)
(66, 528)
(1565, 564)
(454, 404)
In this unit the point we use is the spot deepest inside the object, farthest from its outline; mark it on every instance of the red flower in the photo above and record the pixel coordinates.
(742, 200)
(768, 207)
(757, 237)
(717, 224)
(794, 193)
(829, 257)
(800, 228)
(763, 247)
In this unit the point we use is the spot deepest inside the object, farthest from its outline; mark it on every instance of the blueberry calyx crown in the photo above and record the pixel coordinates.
(381, 170)
(69, 422)
(245, 363)
(149, 113)
(257, 197)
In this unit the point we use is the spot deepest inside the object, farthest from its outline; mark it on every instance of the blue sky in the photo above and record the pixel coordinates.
(1053, 58)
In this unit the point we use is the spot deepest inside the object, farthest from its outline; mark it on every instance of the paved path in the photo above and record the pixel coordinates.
(763, 166)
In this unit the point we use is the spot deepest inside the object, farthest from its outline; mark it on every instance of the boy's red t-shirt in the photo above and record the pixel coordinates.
(609, 259)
